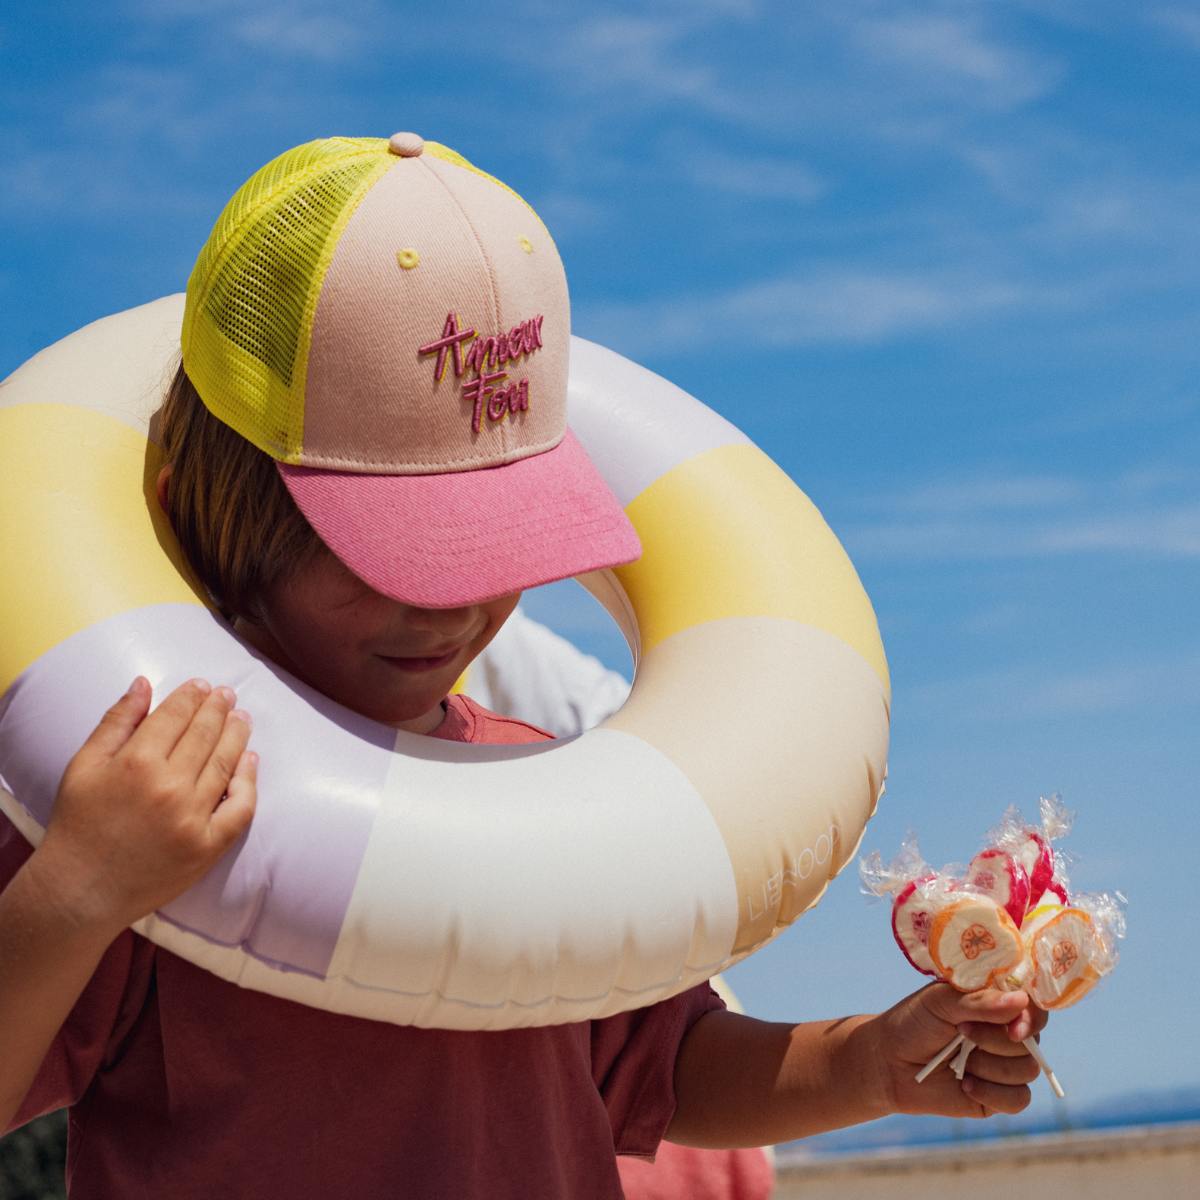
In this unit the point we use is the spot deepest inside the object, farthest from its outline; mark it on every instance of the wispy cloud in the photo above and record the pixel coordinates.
(823, 66)
(755, 176)
(148, 114)
(1136, 410)
(954, 49)
(1171, 531)
(1178, 21)
(823, 305)
(320, 36)
(1137, 514)
(133, 101)
(612, 53)
(1072, 189)
(307, 30)
(571, 214)
(1034, 692)
(996, 618)
(1015, 492)
(1157, 477)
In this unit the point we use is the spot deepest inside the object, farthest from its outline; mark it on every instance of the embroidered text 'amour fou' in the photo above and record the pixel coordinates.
(486, 358)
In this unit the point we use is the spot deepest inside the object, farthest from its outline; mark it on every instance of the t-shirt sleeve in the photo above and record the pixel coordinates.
(683, 1171)
(633, 1065)
(92, 1028)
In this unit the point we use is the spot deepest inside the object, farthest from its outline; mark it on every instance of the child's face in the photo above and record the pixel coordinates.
(386, 660)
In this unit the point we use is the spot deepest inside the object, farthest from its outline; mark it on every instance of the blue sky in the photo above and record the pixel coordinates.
(940, 260)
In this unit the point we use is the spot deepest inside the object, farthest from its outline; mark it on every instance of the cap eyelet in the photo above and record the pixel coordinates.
(525, 244)
(407, 258)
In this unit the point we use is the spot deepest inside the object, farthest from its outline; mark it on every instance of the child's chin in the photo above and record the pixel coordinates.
(399, 712)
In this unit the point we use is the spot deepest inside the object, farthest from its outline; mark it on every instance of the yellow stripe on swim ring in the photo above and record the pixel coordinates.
(728, 534)
(798, 765)
(60, 545)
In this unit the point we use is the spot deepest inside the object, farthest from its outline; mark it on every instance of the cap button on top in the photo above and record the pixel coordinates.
(406, 145)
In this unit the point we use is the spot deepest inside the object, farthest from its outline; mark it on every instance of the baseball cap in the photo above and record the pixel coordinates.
(391, 325)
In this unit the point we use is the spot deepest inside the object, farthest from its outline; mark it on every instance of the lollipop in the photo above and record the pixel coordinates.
(1069, 949)
(973, 942)
(1031, 845)
(1036, 855)
(907, 875)
(1007, 921)
(1002, 876)
(912, 916)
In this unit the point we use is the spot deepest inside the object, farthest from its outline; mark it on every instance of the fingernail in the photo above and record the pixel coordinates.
(240, 714)
(134, 686)
(227, 694)
(202, 685)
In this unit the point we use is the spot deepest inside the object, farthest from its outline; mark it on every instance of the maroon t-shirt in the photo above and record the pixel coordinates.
(181, 1085)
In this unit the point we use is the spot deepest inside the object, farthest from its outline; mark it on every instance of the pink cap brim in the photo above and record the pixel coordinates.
(443, 541)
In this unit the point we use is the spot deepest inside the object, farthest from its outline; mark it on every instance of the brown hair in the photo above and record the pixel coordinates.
(234, 518)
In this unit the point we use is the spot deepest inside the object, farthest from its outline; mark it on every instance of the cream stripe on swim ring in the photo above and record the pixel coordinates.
(536, 884)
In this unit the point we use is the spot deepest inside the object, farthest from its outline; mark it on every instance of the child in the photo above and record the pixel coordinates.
(368, 461)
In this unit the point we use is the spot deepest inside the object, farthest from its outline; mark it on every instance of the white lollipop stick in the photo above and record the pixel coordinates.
(964, 1046)
(959, 1065)
(939, 1058)
(1038, 1057)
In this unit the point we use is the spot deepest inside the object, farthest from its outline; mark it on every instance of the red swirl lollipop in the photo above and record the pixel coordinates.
(1000, 875)
(912, 916)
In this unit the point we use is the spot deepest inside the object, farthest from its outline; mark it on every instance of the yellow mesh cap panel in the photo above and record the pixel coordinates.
(253, 291)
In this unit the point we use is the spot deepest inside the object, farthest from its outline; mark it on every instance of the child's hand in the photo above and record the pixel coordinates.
(998, 1071)
(148, 805)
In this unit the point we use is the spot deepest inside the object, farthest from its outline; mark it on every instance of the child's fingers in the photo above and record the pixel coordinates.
(118, 724)
(233, 814)
(987, 1006)
(995, 1097)
(194, 749)
(995, 1039)
(224, 758)
(993, 1007)
(1029, 1024)
(1011, 1070)
(158, 734)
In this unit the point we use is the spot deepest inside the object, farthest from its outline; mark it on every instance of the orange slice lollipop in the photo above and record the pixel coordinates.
(1068, 958)
(973, 942)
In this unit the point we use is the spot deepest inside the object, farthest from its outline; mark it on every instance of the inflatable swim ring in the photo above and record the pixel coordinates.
(417, 881)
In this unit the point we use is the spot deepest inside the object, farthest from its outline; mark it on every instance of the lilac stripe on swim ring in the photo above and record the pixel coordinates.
(283, 894)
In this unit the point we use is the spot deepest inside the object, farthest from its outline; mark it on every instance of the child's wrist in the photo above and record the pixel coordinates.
(865, 1061)
(64, 897)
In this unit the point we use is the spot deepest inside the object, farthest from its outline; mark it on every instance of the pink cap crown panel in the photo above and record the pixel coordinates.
(374, 401)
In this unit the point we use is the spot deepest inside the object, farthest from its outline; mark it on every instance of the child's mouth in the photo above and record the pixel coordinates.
(416, 664)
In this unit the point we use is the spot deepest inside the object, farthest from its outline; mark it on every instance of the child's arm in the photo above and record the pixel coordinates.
(741, 1082)
(139, 818)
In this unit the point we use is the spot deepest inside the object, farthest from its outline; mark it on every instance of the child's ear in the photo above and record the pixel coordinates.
(161, 486)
